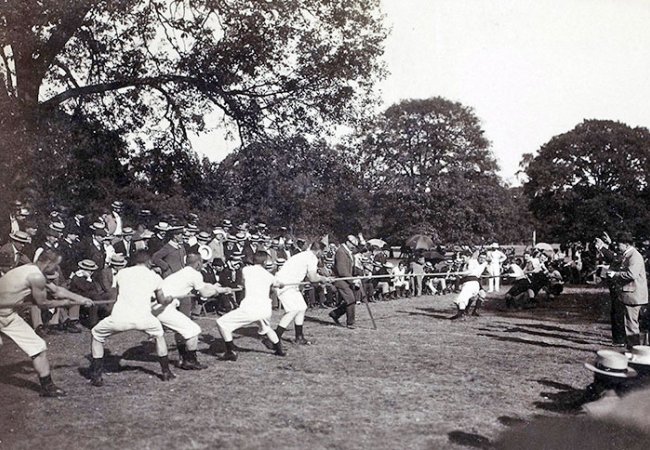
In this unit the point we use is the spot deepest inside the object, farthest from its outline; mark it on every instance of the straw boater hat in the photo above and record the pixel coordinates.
(127, 231)
(226, 223)
(87, 264)
(191, 228)
(205, 252)
(611, 364)
(96, 226)
(117, 205)
(640, 356)
(21, 236)
(162, 226)
(204, 236)
(145, 213)
(117, 260)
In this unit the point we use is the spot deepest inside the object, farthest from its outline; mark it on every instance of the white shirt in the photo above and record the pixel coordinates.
(474, 269)
(497, 257)
(135, 287)
(257, 283)
(181, 283)
(295, 269)
(517, 272)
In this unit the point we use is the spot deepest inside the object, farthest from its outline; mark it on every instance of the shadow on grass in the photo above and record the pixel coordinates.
(8, 376)
(112, 362)
(217, 346)
(510, 421)
(542, 326)
(469, 439)
(567, 400)
(535, 343)
(435, 316)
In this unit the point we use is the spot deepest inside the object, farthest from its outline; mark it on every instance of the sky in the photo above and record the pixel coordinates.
(530, 69)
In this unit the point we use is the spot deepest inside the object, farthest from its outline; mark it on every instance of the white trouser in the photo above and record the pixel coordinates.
(494, 284)
(172, 318)
(469, 290)
(241, 317)
(294, 305)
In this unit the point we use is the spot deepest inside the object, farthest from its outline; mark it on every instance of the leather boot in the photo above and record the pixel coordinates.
(96, 369)
(460, 314)
(279, 351)
(477, 306)
(632, 340)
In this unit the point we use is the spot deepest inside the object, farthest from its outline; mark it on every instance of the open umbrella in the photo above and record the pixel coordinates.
(420, 242)
(377, 243)
(544, 247)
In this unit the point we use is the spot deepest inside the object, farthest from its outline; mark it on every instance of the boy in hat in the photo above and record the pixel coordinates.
(255, 307)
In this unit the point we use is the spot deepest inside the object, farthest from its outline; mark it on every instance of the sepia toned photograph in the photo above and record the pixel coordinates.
(325, 224)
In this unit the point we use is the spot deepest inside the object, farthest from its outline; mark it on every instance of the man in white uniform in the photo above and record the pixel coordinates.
(132, 311)
(255, 307)
(177, 285)
(15, 286)
(294, 270)
(495, 258)
(471, 283)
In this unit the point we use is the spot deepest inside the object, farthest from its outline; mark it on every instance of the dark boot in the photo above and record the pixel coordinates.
(460, 314)
(164, 365)
(96, 369)
(279, 351)
(280, 331)
(300, 338)
(632, 340)
(230, 354)
(335, 317)
(477, 306)
(49, 389)
(182, 351)
(191, 363)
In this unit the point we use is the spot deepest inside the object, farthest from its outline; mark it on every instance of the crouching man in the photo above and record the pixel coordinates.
(15, 286)
(136, 286)
(255, 307)
(181, 284)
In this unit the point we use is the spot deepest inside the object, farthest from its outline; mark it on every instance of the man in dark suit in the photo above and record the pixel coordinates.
(92, 247)
(125, 245)
(15, 247)
(159, 238)
(344, 267)
(631, 281)
(171, 257)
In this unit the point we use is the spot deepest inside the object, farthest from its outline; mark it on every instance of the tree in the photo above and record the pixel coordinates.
(303, 185)
(431, 168)
(267, 65)
(591, 179)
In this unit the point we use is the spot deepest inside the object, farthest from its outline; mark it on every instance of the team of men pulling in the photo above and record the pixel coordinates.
(114, 271)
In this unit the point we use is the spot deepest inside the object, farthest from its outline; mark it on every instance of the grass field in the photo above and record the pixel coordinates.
(419, 381)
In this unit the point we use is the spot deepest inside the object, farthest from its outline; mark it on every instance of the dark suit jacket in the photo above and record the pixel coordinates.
(126, 250)
(169, 259)
(18, 258)
(88, 250)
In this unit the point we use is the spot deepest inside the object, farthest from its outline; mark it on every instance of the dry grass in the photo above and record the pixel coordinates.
(419, 381)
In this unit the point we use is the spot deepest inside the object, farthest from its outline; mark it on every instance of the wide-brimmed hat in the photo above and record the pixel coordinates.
(191, 228)
(117, 205)
(127, 231)
(240, 236)
(226, 223)
(87, 264)
(205, 252)
(611, 364)
(176, 229)
(117, 260)
(21, 236)
(640, 355)
(219, 230)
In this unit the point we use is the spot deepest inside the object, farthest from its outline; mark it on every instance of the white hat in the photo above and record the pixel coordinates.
(611, 364)
(353, 240)
(495, 245)
(205, 252)
(640, 355)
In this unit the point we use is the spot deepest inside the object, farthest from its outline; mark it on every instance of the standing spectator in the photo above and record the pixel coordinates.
(631, 280)
(343, 267)
(125, 245)
(495, 259)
